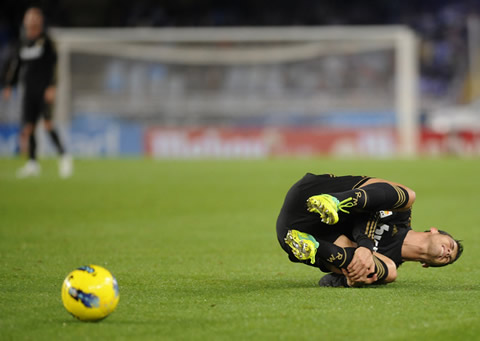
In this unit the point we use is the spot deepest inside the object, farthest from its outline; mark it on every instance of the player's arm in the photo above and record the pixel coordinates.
(390, 267)
(51, 65)
(385, 272)
(10, 76)
(51, 61)
(363, 262)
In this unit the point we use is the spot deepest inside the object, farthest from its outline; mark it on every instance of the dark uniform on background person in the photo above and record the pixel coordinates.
(34, 68)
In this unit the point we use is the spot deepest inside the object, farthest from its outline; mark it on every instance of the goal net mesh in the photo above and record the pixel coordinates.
(229, 83)
(234, 79)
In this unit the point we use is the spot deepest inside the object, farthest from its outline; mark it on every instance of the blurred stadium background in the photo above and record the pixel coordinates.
(192, 242)
(231, 79)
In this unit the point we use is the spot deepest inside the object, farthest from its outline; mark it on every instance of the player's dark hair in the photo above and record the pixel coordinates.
(459, 249)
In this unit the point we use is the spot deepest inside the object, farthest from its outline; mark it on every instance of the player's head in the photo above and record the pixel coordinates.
(33, 23)
(442, 248)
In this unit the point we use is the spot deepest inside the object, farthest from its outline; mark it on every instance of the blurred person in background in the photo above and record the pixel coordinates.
(33, 66)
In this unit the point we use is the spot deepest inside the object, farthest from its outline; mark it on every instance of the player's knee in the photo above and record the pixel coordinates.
(411, 197)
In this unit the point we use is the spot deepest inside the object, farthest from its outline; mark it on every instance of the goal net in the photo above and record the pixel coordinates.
(240, 91)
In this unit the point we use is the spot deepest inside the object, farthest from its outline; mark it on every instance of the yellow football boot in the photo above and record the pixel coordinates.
(328, 206)
(303, 245)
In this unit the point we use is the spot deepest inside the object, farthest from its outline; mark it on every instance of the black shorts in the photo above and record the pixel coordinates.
(294, 213)
(34, 107)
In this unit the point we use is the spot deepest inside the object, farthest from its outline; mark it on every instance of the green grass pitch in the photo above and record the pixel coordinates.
(193, 247)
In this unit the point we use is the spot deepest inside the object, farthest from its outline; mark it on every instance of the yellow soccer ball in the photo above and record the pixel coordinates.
(90, 293)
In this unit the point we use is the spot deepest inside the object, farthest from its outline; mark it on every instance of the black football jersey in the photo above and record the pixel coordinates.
(34, 65)
(392, 228)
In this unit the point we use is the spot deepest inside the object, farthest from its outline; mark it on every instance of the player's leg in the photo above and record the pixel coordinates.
(23, 140)
(30, 112)
(54, 136)
(65, 164)
(31, 168)
(373, 196)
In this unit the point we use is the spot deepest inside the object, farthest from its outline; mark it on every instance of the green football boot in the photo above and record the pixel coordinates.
(303, 245)
(328, 206)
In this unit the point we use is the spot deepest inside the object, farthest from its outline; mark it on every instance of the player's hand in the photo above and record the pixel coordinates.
(352, 283)
(7, 93)
(361, 265)
(49, 95)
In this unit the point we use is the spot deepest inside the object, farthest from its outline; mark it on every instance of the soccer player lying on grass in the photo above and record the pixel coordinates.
(373, 213)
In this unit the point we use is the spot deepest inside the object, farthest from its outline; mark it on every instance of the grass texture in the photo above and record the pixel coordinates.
(193, 247)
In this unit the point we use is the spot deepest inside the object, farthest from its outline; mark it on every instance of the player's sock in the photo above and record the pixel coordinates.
(335, 255)
(381, 269)
(56, 141)
(32, 147)
(374, 197)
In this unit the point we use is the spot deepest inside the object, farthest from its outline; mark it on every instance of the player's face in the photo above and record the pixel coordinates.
(442, 249)
(33, 24)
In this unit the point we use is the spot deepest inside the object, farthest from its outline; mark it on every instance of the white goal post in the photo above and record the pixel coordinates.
(178, 45)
